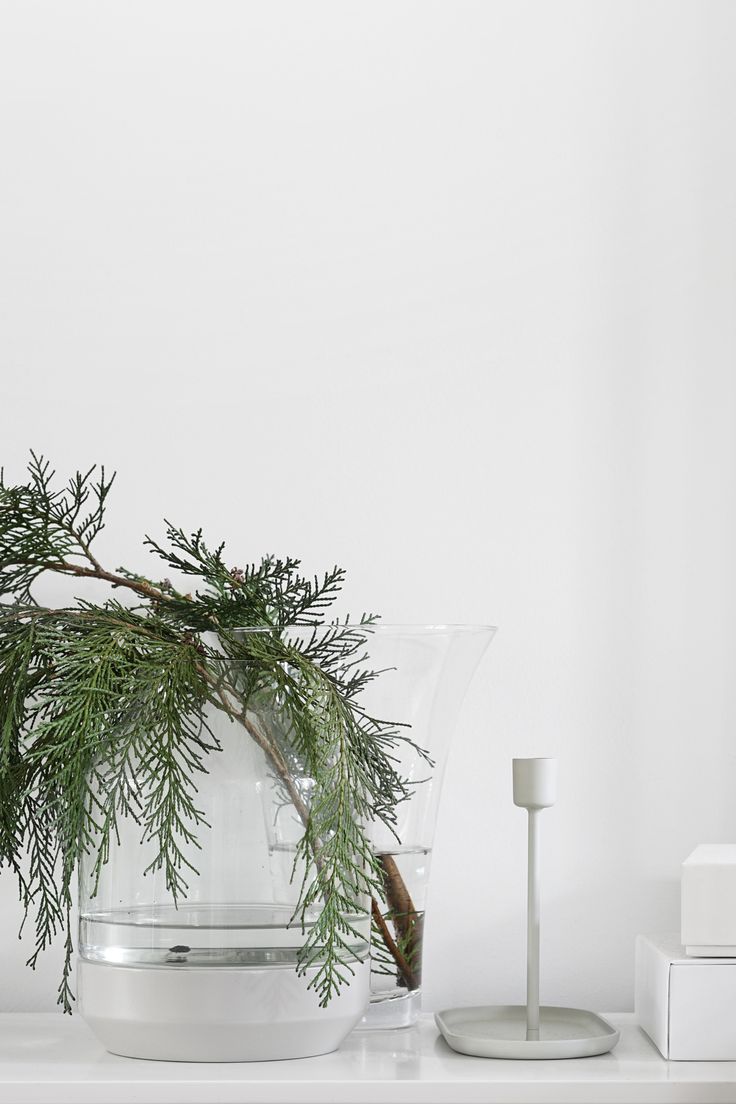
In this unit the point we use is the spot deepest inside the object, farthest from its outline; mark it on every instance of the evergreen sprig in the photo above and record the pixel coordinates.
(103, 714)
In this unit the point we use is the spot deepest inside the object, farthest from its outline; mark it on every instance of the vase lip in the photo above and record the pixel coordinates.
(407, 628)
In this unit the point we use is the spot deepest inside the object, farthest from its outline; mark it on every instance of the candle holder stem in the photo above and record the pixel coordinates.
(532, 929)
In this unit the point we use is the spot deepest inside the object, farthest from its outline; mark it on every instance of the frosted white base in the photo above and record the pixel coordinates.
(218, 1015)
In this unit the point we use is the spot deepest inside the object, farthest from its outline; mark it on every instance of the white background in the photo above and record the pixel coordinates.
(443, 292)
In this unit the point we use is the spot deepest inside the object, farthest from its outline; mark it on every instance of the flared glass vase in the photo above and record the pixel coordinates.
(425, 673)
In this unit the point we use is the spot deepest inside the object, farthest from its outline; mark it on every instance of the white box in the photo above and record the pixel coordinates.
(709, 900)
(686, 1005)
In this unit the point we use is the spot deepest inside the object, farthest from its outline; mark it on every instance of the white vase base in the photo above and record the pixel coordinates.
(215, 1015)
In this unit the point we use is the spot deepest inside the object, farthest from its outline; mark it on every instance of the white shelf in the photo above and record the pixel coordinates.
(54, 1059)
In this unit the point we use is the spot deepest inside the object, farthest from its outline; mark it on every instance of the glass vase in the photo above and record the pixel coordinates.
(425, 672)
(211, 975)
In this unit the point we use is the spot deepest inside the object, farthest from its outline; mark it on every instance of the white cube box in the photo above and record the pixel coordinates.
(686, 1005)
(709, 901)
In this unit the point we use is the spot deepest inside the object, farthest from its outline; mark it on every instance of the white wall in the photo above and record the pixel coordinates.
(443, 292)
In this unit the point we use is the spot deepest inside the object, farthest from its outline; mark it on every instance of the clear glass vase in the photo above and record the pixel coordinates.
(211, 975)
(426, 670)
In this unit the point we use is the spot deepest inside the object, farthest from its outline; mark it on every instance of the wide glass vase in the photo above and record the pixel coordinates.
(210, 973)
(425, 673)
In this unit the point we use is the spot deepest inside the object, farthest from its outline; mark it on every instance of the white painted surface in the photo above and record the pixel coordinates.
(443, 292)
(48, 1059)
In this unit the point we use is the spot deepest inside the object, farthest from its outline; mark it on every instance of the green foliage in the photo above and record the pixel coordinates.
(103, 713)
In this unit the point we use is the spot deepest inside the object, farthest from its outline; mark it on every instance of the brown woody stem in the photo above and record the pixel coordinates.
(405, 970)
(409, 923)
(98, 572)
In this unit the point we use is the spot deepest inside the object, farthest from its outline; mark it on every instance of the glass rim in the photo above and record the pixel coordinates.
(407, 628)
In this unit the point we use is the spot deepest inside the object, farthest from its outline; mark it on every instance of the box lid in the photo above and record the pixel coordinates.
(670, 946)
(712, 854)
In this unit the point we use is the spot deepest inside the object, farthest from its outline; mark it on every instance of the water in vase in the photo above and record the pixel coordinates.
(398, 933)
(198, 935)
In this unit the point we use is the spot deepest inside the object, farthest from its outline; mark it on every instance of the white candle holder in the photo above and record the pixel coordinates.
(529, 1031)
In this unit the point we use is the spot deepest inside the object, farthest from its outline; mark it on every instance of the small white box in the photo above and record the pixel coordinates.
(709, 900)
(686, 1005)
